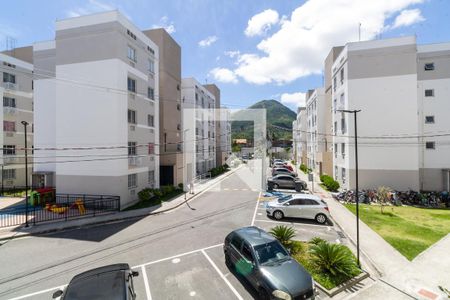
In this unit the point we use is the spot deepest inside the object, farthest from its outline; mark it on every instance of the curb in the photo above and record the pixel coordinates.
(113, 220)
(345, 285)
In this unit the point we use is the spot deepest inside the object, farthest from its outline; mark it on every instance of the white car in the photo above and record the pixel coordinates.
(304, 206)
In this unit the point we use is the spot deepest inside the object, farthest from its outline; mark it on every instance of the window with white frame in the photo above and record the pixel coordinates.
(334, 83)
(343, 175)
(9, 102)
(430, 145)
(131, 116)
(131, 148)
(131, 85)
(151, 66)
(132, 181)
(335, 127)
(151, 176)
(151, 93)
(9, 174)
(335, 150)
(343, 129)
(336, 170)
(132, 53)
(151, 120)
(342, 75)
(10, 78)
(9, 126)
(429, 66)
(343, 149)
(429, 119)
(429, 93)
(9, 149)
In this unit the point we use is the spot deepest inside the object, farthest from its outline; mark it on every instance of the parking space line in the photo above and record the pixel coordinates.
(256, 209)
(176, 256)
(147, 287)
(292, 223)
(40, 292)
(222, 276)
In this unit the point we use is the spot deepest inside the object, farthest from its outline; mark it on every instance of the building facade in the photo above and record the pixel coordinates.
(97, 106)
(433, 94)
(315, 137)
(16, 92)
(170, 115)
(199, 126)
(299, 134)
(225, 136)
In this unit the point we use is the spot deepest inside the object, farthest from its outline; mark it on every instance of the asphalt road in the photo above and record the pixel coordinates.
(178, 254)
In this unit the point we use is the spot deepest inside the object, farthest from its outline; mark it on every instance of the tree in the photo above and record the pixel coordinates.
(284, 234)
(383, 196)
(335, 259)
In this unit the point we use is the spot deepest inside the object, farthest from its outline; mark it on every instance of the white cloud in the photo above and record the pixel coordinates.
(300, 46)
(166, 24)
(261, 23)
(223, 75)
(296, 99)
(408, 17)
(208, 41)
(232, 54)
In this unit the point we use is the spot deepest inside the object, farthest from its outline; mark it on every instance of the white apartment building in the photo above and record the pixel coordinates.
(299, 135)
(96, 103)
(225, 134)
(315, 137)
(199, 128)
(16, 92)
(433, 94)
(379, 78)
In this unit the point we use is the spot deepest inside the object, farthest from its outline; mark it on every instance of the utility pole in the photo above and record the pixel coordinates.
(25, 124)
(354, 112)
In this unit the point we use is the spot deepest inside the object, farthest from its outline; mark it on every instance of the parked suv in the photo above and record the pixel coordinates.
(266, 264)
(276, 171)
(299, 206)
(108, 282)
(286, 181)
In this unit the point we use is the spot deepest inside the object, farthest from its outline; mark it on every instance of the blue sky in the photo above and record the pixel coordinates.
(252, 50)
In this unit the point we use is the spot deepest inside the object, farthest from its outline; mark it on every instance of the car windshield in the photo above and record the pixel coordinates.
(284, 198)
(270, 253)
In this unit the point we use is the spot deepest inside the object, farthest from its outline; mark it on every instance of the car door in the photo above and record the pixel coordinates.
(247, 266)
(298, 209)
(289, 208)
(235, 248)
(289, 182)
(310, 208)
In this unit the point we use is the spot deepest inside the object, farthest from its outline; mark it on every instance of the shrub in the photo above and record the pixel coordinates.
(158, 193)
(316, 240)
(146, 194)
(304, 168)
(296, 247)
(167, 189)
(335, 259)
(180, 186)
(226, 166)
(283, 234)
(331, 184)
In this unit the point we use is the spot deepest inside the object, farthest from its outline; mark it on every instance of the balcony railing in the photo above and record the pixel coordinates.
(10, 85)
(134, 160)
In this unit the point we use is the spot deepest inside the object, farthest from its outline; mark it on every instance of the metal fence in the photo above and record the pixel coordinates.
(64, 207)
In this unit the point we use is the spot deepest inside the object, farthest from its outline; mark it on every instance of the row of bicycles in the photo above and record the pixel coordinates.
(410, 197)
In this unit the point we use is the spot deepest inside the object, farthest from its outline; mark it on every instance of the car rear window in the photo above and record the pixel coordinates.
(284, 198)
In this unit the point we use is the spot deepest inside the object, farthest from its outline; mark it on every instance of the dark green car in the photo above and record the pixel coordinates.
(264, 262)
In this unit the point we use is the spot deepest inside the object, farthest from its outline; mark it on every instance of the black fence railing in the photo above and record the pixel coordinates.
(64, 207)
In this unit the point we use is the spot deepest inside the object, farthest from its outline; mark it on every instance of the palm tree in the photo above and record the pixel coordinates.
(335, 259)
(283, 233)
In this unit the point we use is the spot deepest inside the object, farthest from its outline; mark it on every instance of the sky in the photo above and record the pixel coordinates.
(252, 49)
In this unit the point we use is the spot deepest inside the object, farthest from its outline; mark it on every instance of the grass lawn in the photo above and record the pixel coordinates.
(324, 279)
(155, 201)
(410, 230)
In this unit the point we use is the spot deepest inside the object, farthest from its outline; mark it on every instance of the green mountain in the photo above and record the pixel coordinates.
(276, 115)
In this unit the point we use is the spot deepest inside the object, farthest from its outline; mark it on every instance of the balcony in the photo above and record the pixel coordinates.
(134, 161)
(9, 110)
(10, 86)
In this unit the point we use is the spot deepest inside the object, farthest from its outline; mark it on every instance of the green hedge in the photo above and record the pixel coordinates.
(304, 168)
(219, 170)
(331, 184)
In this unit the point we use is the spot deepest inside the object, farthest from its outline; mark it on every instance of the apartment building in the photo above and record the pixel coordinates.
(170, 115)
(199, 125)
(224, 136)
(379, 78)
(299, 131)
(220, 156)
(433, 94)
(315, 137)
(16, 90)
(96, 103)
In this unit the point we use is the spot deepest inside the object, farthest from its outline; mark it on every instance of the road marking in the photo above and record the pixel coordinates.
(244, 189)
(226, 189)
(147, 287)
(176, 256)
(222, 276)
(256, 209)
(292, 223)
(235, 189)
(40, 292)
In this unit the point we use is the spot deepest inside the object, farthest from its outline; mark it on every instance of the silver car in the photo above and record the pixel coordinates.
(304, 206)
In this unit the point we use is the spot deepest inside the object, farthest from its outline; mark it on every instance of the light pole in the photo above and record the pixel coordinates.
(354, 112)
(25, 124)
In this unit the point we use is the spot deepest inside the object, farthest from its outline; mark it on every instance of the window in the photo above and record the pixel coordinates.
(151, 66)
(428, 145)
(151, 148)
(429, 67)
(247, 252)
(132, 180)
(196, 97)
(429, 119)
(178, 106)
(9, 77)
(336, 171)
(9, 126)
(335, 105)
(131, 85)
(131, 148)
(343, 175)
(335, 127)
(236, 241)
(9, 149)
(343, 129)
(342, 100)
(335, 150)
(429, 93)
(151, 176)
(343, 149)
(334, 83)
(132, 54)
(150, 50)
(131, 34)
(9, 174)
(151, 120)
(151, 93)
(342, 75)
(131, 116)
(9, 102)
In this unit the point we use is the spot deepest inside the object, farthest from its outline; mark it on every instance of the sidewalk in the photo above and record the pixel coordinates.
(21, 231)
(424, 273)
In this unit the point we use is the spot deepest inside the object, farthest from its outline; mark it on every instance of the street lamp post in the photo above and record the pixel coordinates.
(25, 124)
(354, 112)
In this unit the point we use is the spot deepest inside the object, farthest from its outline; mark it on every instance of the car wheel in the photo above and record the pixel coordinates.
(321, 218)
(275, 186)
(263, 294)
(278, 215)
